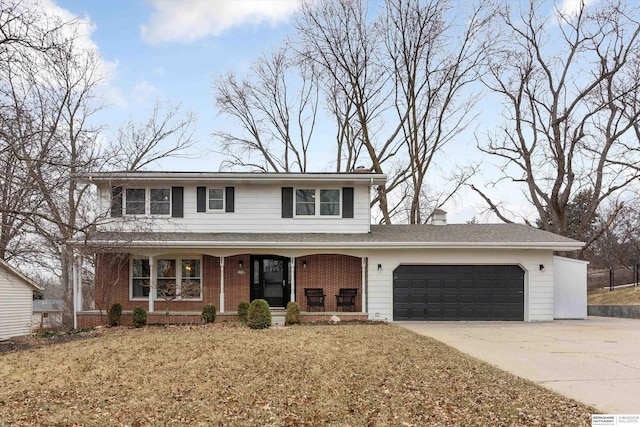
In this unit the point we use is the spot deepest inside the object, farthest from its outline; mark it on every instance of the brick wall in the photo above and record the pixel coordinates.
(112, 284)
(329, 272)
(112, 281)
(236, 281)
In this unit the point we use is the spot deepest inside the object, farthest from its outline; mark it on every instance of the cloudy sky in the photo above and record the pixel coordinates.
(172, 49)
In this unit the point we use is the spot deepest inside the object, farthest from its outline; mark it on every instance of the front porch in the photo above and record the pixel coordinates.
(182, 283)
(92, 318)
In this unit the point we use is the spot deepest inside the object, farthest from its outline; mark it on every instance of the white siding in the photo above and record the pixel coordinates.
(570, 290)
(257, 209)
(15, 305)
(538, 283)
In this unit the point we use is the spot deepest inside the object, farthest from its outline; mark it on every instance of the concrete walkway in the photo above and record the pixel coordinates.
(595, 361)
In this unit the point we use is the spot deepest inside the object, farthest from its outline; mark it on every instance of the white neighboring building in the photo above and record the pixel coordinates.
(16, 302)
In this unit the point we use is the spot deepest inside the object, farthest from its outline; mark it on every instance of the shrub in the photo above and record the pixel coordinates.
(209, 313)
(114, 316)
(139, 317)
(293, 314)
(46, 333)
(243, 311)
(259, 315)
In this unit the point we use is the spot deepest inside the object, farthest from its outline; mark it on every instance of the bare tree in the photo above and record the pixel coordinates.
(343, 43)
(397, 86)
(165, 133)
(436, 55)
(570, 85)
(48, 139)
(277, 120)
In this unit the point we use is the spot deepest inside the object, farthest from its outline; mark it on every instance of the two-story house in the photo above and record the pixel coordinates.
(172, 242)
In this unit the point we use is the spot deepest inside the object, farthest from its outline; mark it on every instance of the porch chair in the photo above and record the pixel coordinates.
(346, 298)
(315, 297)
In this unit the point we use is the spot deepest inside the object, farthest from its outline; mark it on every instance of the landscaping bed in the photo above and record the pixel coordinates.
(340, 375)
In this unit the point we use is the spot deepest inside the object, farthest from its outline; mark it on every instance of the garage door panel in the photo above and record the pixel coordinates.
(459, 292)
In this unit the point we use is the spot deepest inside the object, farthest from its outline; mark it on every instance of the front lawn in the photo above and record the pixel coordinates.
(344, 375)
(620, 296)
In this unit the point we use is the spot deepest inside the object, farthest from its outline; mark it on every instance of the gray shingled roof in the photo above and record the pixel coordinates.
(452, 235)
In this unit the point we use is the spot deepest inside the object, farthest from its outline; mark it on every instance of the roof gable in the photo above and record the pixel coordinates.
(9, 269)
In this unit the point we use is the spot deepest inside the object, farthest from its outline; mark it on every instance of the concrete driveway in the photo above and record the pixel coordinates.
(595, 361)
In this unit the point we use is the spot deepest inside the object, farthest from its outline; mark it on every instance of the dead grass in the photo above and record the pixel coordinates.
(625, 296)
(346, 375)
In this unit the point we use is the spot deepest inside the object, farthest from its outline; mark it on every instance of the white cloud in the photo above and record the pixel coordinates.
(143, 91)
(81, 32)
(188, 20)
(572, 7)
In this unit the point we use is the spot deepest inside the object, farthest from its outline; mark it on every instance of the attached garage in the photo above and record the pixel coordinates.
(458, 292)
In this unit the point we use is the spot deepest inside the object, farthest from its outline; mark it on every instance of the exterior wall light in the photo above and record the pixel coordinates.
(379, 267)
(541, 267)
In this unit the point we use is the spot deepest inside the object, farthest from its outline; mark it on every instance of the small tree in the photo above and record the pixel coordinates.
(293, 314)
(259, 315)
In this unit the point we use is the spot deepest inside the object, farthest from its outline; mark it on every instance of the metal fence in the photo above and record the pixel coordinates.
(614, 277)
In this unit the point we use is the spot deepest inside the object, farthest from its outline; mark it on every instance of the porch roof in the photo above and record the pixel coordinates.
(517, 236)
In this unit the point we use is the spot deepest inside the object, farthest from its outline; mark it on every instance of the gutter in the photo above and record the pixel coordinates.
(349, 245)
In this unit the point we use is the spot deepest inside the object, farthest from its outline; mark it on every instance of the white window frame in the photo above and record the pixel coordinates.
(317, 213)
(178, 260)
(125, 197)
(224, 200)
(149, 190)
(147, 201)
(131, 261)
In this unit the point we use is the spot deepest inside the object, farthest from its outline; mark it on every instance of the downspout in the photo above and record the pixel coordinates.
(221, 284)
(74, 292)
(370, 187)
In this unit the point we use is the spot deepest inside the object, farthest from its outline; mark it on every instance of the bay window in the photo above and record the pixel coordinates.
(176, 278)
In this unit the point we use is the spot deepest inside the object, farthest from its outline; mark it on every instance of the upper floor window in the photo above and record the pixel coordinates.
(330, 202)
(135, 201)
(159, 201)
(311, 201)
(216, 199)
(305, 202)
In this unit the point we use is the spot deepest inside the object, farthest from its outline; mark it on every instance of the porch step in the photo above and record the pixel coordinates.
(278, 317)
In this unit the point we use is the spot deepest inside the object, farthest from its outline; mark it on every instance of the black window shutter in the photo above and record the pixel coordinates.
(287, 202)
(116, 202)
(202, 199)
(347, 202)
(229, 199)
(177, 202)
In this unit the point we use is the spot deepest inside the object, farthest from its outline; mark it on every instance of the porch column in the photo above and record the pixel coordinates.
(152, 283)
(221, 284)
(364, 284)
(293, 279)
(74, 279)
(79, 276)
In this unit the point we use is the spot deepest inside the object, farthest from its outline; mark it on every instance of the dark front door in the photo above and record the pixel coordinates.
(270, 279)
